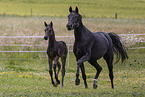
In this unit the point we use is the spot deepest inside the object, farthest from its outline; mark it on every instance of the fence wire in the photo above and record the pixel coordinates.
(42, 51)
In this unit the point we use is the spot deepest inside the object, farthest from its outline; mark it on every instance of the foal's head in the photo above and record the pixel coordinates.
(74, 19)
(48, 30)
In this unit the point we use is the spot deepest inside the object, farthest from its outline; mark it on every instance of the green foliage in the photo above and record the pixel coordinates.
(88, 8)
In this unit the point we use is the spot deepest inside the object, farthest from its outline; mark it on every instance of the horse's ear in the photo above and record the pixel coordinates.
(51, 24)
(70, 9)
(45, 24)
(77, 10)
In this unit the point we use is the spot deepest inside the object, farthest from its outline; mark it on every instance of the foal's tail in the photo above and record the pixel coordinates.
(118, 47)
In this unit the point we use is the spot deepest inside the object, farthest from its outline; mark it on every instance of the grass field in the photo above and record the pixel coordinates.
(133, 9)
(29, 76)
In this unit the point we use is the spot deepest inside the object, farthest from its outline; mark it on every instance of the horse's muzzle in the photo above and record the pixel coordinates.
(69, 26)
(45, 37)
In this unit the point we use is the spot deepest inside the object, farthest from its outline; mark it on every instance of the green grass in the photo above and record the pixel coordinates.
(29, 77)
(133, 9)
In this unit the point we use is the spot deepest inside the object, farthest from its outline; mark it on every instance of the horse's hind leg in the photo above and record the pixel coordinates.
(109, 61)
(59, 67)
(98, 68)
(54, 67)
(63, 59)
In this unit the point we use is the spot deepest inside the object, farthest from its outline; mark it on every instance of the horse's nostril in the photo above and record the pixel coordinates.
(69, 26)
(45, 37)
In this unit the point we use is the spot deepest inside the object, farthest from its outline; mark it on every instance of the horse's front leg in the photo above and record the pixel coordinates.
(86, 56)
(77, 82)
(84, 75)
(80, 61)
(50, 71)
(83, 58)
(81, 65)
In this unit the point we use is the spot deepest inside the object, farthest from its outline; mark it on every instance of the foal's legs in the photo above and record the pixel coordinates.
(109, 60)
(51, 72)
(54, 67)
(59, 67)
(98, 68)
(63, 59)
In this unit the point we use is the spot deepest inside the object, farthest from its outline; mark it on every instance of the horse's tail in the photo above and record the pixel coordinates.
(118, 47)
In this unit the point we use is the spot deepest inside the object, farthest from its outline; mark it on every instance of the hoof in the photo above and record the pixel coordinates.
(95, 84)
(77, 81)
(58, 82)
(86, 86)
(54, 85)
(61, 86)
(112, 87)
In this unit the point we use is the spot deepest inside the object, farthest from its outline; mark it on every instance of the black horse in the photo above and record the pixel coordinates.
(90, 47)
(55, 50)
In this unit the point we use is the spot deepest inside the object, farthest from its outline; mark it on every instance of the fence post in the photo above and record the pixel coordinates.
(68, 50)
(31, 12)
(116, 16)
(4, 14)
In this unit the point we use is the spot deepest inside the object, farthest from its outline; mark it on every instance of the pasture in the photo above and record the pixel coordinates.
(129, 9)
(26, 74)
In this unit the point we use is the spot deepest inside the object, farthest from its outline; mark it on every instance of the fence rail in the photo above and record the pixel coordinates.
(23, 51)
(56, 36)
(131, 34)
(32, 36)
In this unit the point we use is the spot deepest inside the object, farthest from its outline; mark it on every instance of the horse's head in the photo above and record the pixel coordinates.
(74, 19)
(48, 30)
